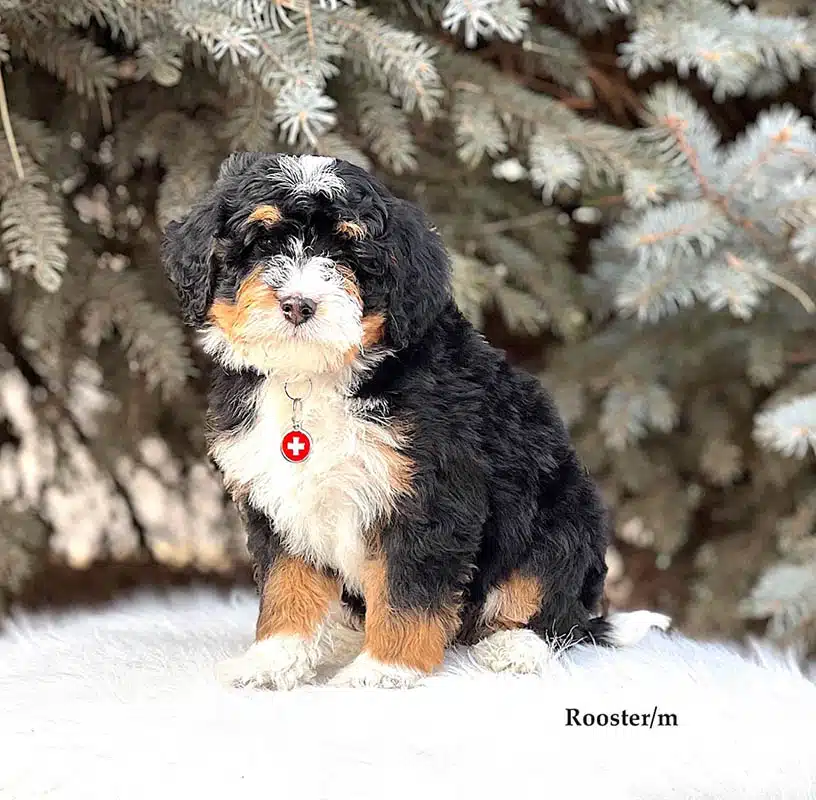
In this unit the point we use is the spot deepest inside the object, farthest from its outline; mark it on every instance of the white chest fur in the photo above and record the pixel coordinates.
(327, 508)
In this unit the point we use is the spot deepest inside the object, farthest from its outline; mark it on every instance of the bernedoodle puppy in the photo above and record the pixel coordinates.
(387, 461)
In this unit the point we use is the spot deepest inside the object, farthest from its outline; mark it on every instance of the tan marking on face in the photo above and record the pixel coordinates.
(373, 333)
(373, 324)
(406, 637)
(296, 598)
(268, 215)
(350, 285)
(512, 603)
(354, 230)
(373, 329)
(252, 295)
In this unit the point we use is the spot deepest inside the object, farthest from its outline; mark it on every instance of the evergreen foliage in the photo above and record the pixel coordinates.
(628, 189)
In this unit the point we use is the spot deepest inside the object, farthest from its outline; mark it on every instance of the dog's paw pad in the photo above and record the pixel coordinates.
(518, 651)
(280, 662)
(367, 671)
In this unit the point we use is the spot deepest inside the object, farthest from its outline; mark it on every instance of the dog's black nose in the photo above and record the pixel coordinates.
(297, 309)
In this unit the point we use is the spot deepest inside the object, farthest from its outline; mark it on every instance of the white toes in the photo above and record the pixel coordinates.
(629, 627)
(519, 651)
(367, 671)
(279, 662)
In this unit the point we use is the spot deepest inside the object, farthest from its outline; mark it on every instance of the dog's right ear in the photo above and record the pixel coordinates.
(190, 251)
(190, 257)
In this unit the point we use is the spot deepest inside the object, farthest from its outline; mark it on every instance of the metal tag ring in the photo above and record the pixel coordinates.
(302, 397)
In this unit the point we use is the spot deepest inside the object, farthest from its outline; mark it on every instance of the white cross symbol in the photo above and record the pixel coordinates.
(295, 446)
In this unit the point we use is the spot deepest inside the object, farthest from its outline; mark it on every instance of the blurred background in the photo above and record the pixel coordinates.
(628, 189)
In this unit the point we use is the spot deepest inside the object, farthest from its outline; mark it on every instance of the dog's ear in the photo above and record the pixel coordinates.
(190, 250)
(421, 269)
(190, 257)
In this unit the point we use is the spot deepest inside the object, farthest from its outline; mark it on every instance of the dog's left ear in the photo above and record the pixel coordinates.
(421, 269)
(190, 258)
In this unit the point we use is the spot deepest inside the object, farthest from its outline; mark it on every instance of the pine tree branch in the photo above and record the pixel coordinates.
(749, 172)
(74, 60)
(153, 340)
(386, 130)
(501, 225)
(34, 234)
(401, 61)
(777, 280)
(677, 126)
(8, 130)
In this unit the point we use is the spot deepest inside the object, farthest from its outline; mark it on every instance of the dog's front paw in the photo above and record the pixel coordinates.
(367, 671)
(279, 662)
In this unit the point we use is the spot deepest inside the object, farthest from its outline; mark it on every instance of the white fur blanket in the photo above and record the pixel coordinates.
(122, 704)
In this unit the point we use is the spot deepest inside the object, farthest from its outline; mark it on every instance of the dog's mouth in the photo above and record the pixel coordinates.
(304, 331)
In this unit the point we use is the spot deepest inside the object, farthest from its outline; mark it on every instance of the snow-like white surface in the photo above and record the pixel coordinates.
(123, 703)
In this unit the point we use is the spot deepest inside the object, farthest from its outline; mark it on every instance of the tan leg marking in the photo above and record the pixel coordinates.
(512, 603)
(408, 638)
(295, 600)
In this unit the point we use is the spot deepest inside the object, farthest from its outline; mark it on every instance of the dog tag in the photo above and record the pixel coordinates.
(296, 445)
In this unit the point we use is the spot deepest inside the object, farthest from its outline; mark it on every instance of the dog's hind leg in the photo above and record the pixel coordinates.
(508, 644)
(526, 629)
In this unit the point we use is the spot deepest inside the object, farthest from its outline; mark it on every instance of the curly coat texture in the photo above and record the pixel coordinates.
(456, 504)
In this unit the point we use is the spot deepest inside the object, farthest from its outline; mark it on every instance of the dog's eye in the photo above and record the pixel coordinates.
(268, 243)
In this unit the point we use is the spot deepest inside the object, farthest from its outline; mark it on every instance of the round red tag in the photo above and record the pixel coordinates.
(296, 446)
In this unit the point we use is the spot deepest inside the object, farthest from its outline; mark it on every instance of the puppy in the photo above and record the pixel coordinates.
(386, 459)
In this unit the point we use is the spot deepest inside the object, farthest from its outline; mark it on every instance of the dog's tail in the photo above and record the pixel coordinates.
(625, 628)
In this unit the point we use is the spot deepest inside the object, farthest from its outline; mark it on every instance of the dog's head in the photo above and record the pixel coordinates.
(303, 263)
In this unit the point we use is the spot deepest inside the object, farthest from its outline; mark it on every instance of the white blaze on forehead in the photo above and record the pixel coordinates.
(311, 175)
